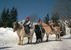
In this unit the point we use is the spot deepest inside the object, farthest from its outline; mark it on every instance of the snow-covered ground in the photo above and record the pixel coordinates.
(8, 41)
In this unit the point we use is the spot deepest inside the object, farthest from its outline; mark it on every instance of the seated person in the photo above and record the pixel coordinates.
(27, 25)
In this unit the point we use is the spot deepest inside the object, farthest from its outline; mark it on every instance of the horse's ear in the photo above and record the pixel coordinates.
(14, 22)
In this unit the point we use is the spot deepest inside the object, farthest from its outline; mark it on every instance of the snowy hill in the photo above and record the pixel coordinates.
(8, 41)
(7, 35)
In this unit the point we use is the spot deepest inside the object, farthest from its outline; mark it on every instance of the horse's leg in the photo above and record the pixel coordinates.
(31, 36)
(70, 32)
(41, 38)
(19, 38)
(56, 37)
(28, 40)
(59, 36)
(47, 36)
(22, 40)
(37, 38)
(19, 41)
(43, 35)
(22, 36)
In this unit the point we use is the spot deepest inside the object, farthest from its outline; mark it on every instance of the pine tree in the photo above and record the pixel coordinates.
(1, 22)
(13, 16)
(55, 17)
(8, 17)
(46, 19)
(4, 16)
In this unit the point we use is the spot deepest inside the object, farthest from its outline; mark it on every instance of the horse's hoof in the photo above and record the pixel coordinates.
(46, 40)
(28, 43)
(19, 43)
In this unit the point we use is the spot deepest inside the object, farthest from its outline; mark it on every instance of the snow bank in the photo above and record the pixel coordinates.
(8, 38)
(7, 35)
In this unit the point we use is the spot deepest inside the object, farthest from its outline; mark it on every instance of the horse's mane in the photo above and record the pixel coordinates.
(18, 25)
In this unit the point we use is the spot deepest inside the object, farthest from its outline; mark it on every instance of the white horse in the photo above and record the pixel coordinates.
(21, 33)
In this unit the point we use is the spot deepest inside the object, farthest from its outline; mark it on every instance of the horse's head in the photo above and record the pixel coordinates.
(15, 26)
